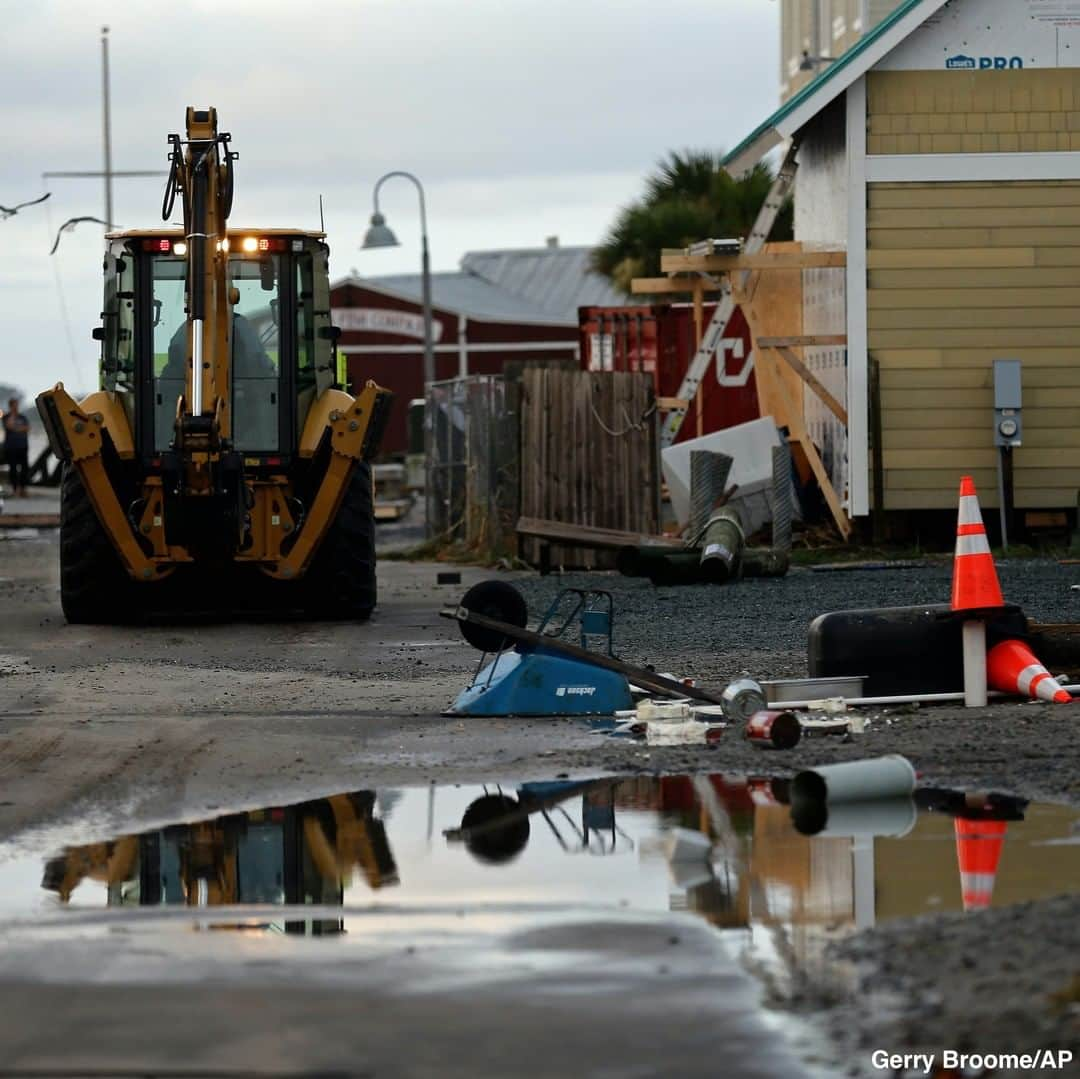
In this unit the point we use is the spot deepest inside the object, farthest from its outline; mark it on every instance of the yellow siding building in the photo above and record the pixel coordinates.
(942, 151)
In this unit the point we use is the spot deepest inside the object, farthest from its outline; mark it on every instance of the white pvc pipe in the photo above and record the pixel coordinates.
(819, 704)
(974, 637)
(902, 698)
(857, 702)
(856, 781)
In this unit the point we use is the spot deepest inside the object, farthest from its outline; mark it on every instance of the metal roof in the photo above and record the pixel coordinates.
(459, 292)
(833, 81)
(559, 280)
(543, 285)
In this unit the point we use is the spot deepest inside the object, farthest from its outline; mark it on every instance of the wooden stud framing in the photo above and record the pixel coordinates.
(765, 260)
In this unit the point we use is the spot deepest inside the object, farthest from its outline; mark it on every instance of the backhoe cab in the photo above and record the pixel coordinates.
(222, 456)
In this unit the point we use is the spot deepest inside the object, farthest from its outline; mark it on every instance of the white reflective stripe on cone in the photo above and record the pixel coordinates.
(977, 543)
(978, 882)
(969, 511)
(1030, 674)
(1045, 688)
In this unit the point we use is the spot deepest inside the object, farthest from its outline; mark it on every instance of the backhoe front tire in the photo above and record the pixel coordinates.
(340, 583)
(94, 586)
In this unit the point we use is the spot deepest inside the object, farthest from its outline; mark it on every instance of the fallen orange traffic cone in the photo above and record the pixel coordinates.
(1012, 668)
(975, 581)
(978, 850)
(975, 588)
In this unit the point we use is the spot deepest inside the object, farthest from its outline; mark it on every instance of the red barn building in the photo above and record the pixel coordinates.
(499, 306)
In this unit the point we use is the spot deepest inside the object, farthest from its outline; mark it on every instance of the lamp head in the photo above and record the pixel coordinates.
(379, 234)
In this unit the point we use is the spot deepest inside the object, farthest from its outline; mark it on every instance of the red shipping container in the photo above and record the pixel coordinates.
(660, 338)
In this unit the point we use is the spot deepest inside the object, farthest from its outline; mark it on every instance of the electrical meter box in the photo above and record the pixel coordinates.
(1008, 426)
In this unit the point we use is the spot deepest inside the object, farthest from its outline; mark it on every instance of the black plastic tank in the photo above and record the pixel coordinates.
(900, 650)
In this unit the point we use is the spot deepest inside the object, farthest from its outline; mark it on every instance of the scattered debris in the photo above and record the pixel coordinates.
(685, 732)
(774, 730)
(844, 727)
(798, 689)
(742, 699)
(649, 711)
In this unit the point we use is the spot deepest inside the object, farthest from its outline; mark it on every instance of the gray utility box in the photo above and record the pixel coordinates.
(1008, 426)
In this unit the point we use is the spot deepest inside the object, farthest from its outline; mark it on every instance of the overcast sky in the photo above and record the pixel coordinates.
(523, 118)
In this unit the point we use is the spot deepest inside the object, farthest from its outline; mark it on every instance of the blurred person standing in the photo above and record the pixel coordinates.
(17, 447)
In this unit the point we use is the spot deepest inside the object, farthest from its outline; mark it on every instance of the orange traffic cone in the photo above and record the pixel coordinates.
(975, 581)
(1011, 667)
(978, 850)
(975, 588)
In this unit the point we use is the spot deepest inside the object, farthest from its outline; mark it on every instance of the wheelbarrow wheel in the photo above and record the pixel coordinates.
(499, 601)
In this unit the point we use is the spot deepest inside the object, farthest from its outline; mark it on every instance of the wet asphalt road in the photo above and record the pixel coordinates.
(108, 730)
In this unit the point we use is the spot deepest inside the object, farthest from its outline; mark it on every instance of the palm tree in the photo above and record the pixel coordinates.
(689, 197)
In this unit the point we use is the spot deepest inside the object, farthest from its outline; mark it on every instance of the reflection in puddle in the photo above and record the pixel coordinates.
(723, 847)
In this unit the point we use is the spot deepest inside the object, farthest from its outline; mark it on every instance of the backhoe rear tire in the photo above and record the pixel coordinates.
(340, 583)
(94, 586)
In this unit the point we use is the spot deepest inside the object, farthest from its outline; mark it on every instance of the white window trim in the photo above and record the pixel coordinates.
(945, 168)
(858, 442)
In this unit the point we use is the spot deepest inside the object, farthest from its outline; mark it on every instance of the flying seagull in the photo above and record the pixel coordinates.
(11, 211)
(69, 226)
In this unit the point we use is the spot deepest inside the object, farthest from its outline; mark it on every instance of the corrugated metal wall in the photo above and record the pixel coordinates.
(961, 274)
(962, 112)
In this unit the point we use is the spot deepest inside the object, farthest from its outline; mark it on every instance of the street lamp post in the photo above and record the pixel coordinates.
(380, 235)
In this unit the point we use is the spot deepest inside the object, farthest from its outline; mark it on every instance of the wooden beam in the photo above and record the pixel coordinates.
(666, 404)
(813, 382)
(699, 324)
(765, 260)
(765, 373)
(586, 536)
(815, 340)
(679, 283)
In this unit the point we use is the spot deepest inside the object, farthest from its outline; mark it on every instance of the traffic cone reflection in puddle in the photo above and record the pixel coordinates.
(1013, 668)
(975, 588)
(978, 851)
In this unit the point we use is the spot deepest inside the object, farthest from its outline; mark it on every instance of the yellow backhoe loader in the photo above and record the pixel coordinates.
(222, 463)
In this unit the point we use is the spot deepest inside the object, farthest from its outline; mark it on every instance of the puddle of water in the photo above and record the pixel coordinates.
(723, 848)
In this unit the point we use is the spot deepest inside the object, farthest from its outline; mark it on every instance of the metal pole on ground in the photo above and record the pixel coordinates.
(709, 473)
(781, 492)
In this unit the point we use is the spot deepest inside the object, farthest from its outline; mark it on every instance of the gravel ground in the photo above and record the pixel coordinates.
(760, 627)
(988, 1003)
(718, 633)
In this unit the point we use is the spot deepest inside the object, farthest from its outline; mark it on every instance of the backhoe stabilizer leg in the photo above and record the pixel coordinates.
(76, 438)
(355, 433)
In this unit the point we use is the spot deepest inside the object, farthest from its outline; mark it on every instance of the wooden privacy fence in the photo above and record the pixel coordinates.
(589, 456)
(472, 490)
